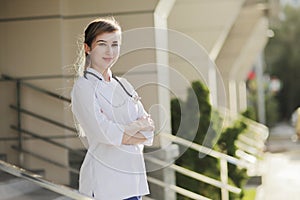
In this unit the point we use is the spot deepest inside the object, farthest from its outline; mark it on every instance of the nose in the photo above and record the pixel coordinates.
(109, 50)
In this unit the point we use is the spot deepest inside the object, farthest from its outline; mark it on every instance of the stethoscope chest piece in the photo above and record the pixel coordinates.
(136, 98)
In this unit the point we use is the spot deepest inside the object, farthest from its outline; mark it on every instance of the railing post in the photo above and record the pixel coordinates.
(19, 122)
(224, 178)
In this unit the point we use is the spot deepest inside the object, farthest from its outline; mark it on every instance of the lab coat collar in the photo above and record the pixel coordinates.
(99, 74)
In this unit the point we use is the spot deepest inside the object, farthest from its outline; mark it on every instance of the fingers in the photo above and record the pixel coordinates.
(146, 123)
(150, 125)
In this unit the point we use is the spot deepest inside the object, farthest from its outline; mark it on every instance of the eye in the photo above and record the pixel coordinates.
(102, 44)
(115, 45)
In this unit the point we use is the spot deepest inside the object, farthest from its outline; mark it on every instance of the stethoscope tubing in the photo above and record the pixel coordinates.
(114, 77)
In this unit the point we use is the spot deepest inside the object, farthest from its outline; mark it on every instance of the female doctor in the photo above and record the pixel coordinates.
(111, 118)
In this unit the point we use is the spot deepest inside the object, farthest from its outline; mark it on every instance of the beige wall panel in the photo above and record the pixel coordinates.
(8, 117)
(81, 7)
(28, 8)
(133, 21)
(72, 32)
(31, 47)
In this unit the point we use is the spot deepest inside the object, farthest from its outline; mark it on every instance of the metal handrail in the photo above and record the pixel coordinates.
(45, 159)
(224, 159)
(177, 189)
(194, 175)
(41, 90)
(8, 138)
(6, 77)
(56, 123)
(37, 179)
(48, 140)
(21, 81)
(74, 194)
(258, 129)
(52, 94)
(32, 138)
(250, 143)
(205, 150)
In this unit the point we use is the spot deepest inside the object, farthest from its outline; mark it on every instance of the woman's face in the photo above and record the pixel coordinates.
(105, 50)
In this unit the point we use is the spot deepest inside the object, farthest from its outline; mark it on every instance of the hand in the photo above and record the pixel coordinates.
(142, 124)
(147, 123)
(138, 138)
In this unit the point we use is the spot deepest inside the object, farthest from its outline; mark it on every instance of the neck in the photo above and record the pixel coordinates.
(105, 75)
(104, 72)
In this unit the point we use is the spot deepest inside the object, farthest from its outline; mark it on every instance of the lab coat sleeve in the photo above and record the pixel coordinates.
(97, 127)
(141, 113)
(148, 134)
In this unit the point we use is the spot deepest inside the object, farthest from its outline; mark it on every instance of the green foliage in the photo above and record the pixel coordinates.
(250, 113)
(283, 60)
(229, 136)
(250, 194)
(226, 145)
(271, 104)
(195, 120)
(176, 115)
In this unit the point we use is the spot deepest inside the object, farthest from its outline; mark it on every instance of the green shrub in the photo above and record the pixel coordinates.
(195, 120)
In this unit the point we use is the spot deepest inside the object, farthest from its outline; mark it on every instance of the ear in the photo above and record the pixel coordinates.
(87, 49)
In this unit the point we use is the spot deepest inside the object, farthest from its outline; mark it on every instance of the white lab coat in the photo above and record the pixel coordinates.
(110, 170)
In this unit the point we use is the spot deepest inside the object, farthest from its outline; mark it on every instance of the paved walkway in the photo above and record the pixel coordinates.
(281, 166)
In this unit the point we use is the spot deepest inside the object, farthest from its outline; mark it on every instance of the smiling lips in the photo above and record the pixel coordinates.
(108, 59)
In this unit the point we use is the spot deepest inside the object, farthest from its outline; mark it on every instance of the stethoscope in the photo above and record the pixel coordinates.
(134, 97)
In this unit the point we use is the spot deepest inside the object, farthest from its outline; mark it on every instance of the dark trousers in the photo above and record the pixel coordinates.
(134, 198)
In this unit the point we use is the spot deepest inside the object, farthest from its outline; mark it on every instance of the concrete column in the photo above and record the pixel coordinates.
(260, 90)
(162, 172)
(232, 96)
(168, 151)
(242, 96)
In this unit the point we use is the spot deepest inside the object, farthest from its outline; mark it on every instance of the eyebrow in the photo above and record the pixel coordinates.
(105, 41)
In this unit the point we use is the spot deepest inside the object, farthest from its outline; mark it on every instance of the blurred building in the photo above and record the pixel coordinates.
(294, 3)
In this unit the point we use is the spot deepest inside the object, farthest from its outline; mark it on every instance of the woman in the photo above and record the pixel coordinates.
(112, 119)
